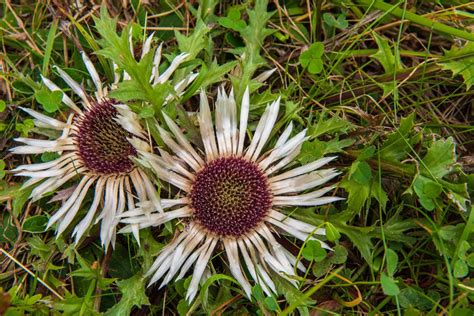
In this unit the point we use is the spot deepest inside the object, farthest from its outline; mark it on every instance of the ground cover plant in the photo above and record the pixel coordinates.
(385, 87)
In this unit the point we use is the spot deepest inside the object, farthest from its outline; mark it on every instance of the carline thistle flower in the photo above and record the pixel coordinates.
(96, 147)
(232, 196)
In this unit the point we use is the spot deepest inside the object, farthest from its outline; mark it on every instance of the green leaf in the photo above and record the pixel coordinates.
(292, 294)
(117, 48)
(3, 106)
(39, 248)
(449, 232)
(389, 286)
(257, 293)
(50, 100)
(73, 305)
(313, 251)
(398, 144)
(385, 56)
(146, 112)
(332, 233)
(49, 45)
(195, 42)
(322, 267)
(377, 192)
(414, 297)
(358, 194)
(21, 197)
(208, 74)
(359, 236)
(316, 149)
(183, 307)
(464, 247)
(332, 125)
(470, 260)
(339, 255)
(204, 292)
(360, 172)
(427, 190)
(133, 294)
(128, 90)
(311, 58)
(440, 158)
(106, 26)
(2, 169)
(91, 272)
(461, 63)
(49, 156)
(460, 199)
(8, 231)
(460, 269)
(25, 127)
(366, 153)
(232, 20)
(271, 304)
(425, 187)
(35, 224)
(391, 258)
(123, 269)
(397, 229)
(253, 34)
(340, 22)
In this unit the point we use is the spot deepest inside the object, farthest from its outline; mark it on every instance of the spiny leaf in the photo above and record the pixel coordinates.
(315, 149)
(360, 172)
(384, 55)
(462, 63)
(332, 233)
(133, 294)
(358, 194)
(293, 295)
(332, 125)
(359, 236)
(233, 20)
(253, 34)
(195, 42)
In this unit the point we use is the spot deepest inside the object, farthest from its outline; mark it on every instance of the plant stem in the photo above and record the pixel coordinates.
(417, 19)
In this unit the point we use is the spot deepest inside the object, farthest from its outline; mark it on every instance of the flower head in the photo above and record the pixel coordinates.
(97, 144)
(232, 195)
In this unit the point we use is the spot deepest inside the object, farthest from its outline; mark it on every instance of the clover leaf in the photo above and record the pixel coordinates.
(311, 58)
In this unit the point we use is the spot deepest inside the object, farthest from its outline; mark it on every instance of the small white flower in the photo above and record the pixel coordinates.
(232, 196)
(96, 149)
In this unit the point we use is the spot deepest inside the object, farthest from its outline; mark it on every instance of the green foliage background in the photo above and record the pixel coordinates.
(384, 85)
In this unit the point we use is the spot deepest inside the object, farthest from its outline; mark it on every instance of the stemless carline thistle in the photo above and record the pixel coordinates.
(96, 147)
(232, 196)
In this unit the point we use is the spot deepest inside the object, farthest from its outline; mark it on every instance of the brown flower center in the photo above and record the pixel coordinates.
(102, 142)
(230, 196)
